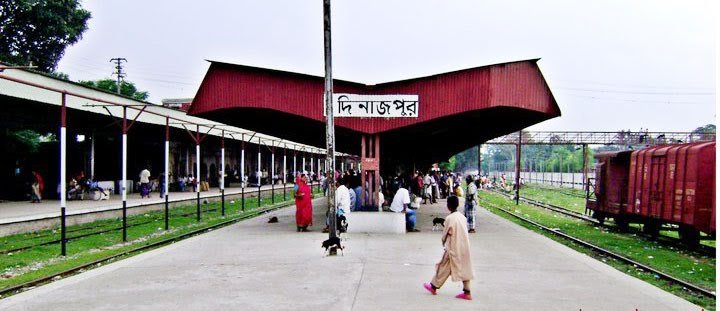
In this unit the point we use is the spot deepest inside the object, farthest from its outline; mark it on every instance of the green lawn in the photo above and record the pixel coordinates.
(574, 200)
(689, 266)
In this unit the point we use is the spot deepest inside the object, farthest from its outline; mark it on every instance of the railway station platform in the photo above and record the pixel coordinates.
(255, 265)
(23, 216)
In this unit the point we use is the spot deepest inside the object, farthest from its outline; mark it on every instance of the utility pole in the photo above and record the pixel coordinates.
(329, 124)
(119, 70)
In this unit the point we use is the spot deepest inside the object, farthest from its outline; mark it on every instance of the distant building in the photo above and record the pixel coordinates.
(182, 104)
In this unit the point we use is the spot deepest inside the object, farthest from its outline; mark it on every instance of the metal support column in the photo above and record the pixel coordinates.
(518, 163)
(197, 171)
(479, 160)
(585, 168)
(259, 175)
(63, 173)
(222, 172)
(272, 175)
(124, 175)
(242, 172)
(167, 173)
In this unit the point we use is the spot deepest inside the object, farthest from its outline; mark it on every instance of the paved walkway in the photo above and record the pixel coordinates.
(23, 211)
(255, 265)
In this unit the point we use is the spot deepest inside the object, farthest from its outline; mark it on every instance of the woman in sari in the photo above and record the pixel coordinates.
(303, 203)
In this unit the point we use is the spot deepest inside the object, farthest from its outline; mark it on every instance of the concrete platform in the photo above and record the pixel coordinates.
(254, 265)
(376, 222)
(20, 217)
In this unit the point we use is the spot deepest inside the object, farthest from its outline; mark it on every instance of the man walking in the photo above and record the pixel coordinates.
(455, 261)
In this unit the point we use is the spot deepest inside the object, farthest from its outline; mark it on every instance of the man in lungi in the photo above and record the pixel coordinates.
(455, 261)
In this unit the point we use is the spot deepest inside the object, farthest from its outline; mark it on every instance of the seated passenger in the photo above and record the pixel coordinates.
(400, 205)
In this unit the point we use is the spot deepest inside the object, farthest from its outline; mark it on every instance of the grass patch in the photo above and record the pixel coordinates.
(41, 261)
(689, 266)
(573, 199)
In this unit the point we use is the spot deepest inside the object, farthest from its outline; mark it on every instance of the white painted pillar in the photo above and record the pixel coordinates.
(242, 167)
(167, 165)
(222, 167)
(123, 187)
(259, 168)
(197, 167)
(284, 169)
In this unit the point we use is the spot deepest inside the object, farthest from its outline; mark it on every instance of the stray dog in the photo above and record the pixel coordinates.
(273, 220)
(437, 222)
(333, 242)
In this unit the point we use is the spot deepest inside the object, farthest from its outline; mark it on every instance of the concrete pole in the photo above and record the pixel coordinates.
(330, 122)
(294, 167)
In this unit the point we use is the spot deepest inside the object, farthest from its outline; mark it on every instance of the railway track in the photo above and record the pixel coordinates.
(703, 249)
(600, 250)
(40, 281)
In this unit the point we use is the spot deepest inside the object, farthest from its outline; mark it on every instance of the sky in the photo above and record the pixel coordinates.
(611, 65)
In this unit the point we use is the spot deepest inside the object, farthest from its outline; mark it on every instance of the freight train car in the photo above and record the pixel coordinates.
(671, 184)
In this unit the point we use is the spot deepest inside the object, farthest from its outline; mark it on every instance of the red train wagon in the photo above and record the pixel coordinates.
(670, 184)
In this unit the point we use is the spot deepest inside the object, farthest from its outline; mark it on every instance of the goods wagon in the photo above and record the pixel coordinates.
(670, 184)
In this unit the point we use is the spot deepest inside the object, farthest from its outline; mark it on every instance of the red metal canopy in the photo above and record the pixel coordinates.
(457, 110)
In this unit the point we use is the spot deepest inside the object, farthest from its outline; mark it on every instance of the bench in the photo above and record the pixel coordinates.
(376, 222)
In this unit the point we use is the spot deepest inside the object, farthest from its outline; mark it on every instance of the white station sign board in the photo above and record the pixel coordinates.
(375, 106)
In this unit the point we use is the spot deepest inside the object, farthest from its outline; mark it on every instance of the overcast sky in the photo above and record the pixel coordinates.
(610, 64)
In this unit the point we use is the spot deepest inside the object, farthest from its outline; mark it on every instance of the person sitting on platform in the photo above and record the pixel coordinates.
(400, 204)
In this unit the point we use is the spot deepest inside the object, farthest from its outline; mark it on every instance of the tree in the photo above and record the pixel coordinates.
(126, 88)
(38, 31)
(704, 131)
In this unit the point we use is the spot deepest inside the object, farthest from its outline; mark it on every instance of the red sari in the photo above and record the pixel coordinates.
(303, 215)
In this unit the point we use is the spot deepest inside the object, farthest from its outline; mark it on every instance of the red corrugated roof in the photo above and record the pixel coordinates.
(517, 84)
(493, 100)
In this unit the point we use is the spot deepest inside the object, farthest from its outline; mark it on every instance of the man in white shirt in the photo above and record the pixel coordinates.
(400, 205)
(342, 198)
(342, 202)
(145, 183)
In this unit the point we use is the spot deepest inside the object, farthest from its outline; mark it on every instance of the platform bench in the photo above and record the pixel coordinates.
(376, 222)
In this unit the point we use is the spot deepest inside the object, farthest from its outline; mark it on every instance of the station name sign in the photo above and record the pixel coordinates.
(375, 106)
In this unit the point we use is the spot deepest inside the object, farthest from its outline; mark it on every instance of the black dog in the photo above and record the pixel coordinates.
(437, 222)
(273, 220)
(332, 242)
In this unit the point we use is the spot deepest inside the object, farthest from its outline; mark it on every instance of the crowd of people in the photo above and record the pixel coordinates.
(406, 193)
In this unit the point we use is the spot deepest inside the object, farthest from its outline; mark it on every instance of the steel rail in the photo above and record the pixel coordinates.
(704, 249)
(40, 281)
(624, 259)
(22, 248)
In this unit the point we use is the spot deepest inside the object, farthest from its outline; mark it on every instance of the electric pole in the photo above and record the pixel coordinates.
(329, 125)
(119, 70)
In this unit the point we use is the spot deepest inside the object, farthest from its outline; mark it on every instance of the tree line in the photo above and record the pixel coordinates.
(548, 158)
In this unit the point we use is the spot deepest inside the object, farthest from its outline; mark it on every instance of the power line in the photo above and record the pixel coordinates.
(634, 92)
(667, 102)
(119, 70)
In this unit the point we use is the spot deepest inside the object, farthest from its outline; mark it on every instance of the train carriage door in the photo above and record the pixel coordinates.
(657, 185)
